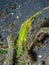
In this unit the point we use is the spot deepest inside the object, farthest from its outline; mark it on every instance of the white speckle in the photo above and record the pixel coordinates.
(46, 8)
(26, 16)
(22, 24)
(19, 6)
(15, 32)
(39, 64)
(38, 19)
(48, 53)
(12, 13)
(39, 56)
(17, 17)
(4, 63)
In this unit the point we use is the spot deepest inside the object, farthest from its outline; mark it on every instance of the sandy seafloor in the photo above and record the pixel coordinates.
(24, 9)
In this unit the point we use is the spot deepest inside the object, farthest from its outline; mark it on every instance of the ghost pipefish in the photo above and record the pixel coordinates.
(24, 30)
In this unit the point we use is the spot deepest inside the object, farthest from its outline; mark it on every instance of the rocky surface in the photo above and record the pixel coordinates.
(39, 44)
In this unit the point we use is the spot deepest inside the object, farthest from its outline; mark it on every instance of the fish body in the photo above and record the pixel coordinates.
(24, 30)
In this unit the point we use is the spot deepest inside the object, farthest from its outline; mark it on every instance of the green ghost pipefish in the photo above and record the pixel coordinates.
(24, 30)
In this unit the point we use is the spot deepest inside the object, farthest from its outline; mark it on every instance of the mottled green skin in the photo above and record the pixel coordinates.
(24, 30)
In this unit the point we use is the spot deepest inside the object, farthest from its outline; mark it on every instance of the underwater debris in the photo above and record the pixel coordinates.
(1, 40)
(14, 57)
(11, 26)
(41, 63)
(10, 6)
(3, 13)
(7, 9)
(40, 37)
(47, 61)
(33, 55)
(2, 45)
(2, 51)
(11, 47)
